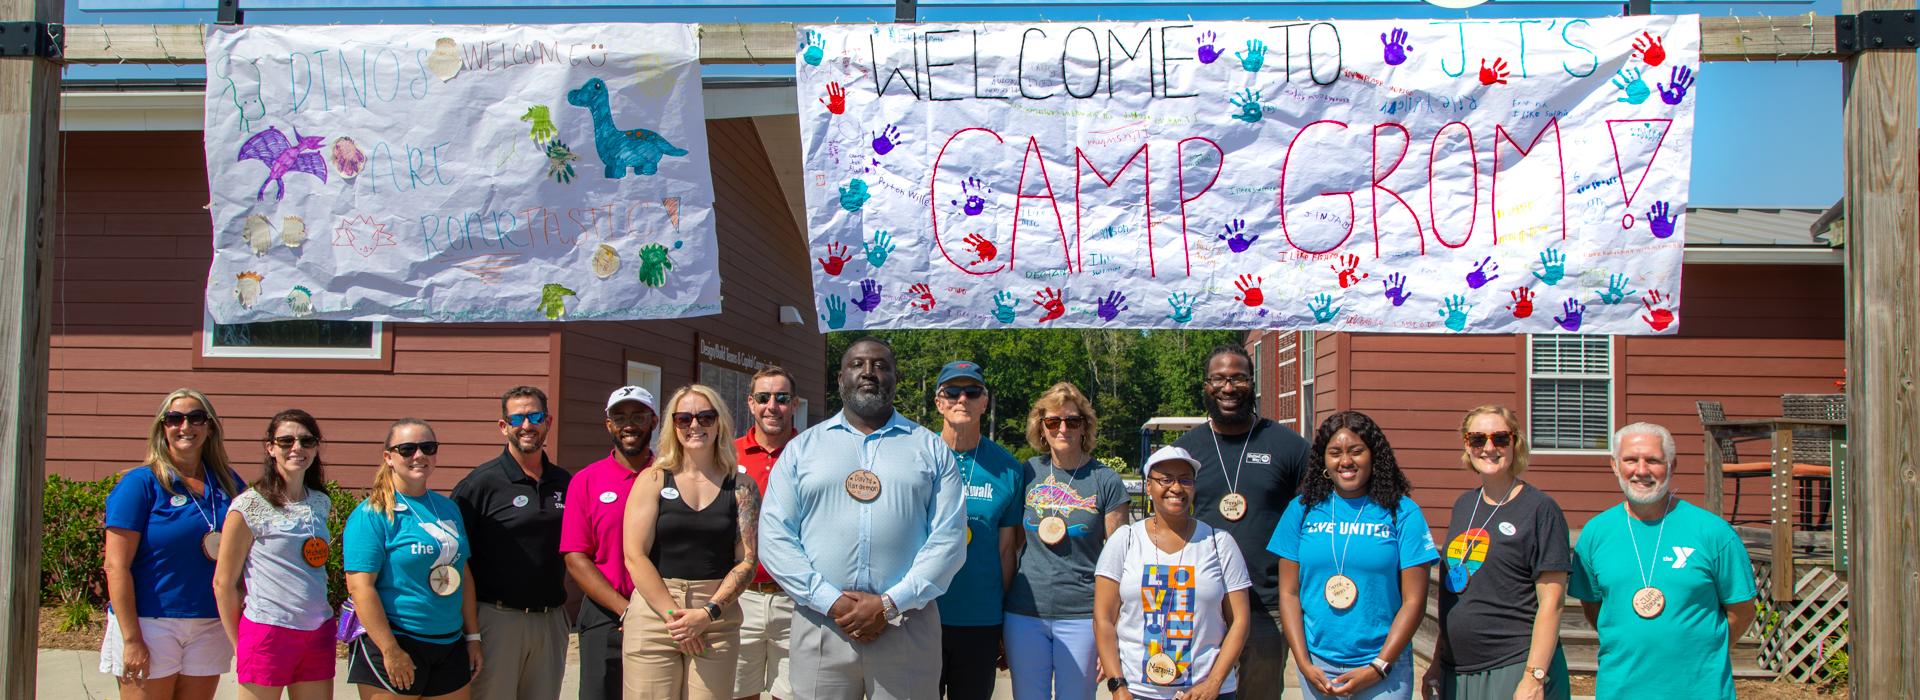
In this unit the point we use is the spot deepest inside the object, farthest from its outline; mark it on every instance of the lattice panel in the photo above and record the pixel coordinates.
(1798, 637)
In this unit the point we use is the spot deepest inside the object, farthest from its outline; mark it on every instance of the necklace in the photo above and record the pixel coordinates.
(1233, 506)
(1053, 528)
(1457, 572)
(966, 480)
(1341, 591)
(210, 542)
(1648, 601)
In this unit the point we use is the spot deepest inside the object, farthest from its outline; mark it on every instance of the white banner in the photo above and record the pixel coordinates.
(1478, 176)
(453, 173)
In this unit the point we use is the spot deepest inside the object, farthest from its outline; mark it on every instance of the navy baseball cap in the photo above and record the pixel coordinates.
(960, 369)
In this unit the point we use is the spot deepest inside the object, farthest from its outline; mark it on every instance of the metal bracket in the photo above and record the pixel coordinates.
(32, 40)
(906, 11)
(1876, 30)
(229, 13)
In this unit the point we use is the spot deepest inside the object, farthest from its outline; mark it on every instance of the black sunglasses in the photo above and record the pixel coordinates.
(406, 449)
(286, 442)
(1500, 439)
(195, 417)
(1054, 422)
(780, 397)
(971, 391)
(706, 418)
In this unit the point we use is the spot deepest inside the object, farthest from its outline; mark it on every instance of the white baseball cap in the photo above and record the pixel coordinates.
(1171, 454)
(632, 393)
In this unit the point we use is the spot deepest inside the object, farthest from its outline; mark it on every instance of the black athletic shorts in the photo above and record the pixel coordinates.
(438, 669)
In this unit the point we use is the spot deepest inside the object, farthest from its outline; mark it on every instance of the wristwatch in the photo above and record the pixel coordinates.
(887, 608)
(1381, 666)
(1538, 674)
(713, 611)
(1115, 683)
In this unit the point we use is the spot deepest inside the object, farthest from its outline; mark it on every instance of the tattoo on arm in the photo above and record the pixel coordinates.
(747, 495)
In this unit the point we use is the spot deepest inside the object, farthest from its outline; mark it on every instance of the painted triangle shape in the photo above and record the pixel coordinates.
(1620, 168)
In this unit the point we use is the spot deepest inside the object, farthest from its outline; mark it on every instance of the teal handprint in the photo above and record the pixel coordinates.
(1182, 304)
(1003, 306)
(854, 195)
(1628, 80)
(1553, 266)
(1323, 308)
(1616, 290)
(553, 300)
(816, 48)
(1249, 104)
(1456, 313)
(1252, 58)
(654, 264)
(836, 312)
(879, 248)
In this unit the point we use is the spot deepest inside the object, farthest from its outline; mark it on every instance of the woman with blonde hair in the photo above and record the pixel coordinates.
(406, 550)
(690, 541)
(163, 521)
(1073, 504)
(1505, 578)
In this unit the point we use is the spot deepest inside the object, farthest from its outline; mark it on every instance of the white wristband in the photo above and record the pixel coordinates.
(473, 637)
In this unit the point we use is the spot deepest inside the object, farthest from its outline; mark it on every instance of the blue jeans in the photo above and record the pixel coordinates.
(1050, 658)
(1398, 685)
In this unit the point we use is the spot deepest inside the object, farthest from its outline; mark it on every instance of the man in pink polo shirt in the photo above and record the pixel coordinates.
(766, 611)
(590, 538)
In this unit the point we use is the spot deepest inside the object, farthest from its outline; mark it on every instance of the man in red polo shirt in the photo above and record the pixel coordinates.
(590, 538)
(767, 612)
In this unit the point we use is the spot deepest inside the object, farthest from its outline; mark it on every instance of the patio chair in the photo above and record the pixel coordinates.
(1732, 468)
(1814, 446)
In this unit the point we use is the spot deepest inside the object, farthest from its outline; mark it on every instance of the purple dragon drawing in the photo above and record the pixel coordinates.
(283, 156)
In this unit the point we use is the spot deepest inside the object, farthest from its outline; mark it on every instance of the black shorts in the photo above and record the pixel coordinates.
(438, 669)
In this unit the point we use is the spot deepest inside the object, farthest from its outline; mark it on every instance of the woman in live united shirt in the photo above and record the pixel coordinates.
(1506, 575)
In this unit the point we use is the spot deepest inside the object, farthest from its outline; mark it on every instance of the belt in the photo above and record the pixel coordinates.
(521, 609)
(765, 587)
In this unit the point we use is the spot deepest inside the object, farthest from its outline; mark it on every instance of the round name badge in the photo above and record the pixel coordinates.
(1648, 602)
(863, 485)
(520, 501)
(1233, 506)
(1457, 578)
(608, 496)
(1341, 592)
(1508, 529)
(669, 493)
(178, 500)
(1161, 670)
(1053, 529)
(210, 545)
(445, 580)
(315, 551)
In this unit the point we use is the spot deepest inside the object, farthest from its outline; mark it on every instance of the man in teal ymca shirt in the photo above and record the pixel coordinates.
(1666, 583)
(970, 612)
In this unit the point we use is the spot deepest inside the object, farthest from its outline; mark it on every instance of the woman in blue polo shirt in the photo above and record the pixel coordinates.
(1354, 551)
(164, 638)
(406, 550)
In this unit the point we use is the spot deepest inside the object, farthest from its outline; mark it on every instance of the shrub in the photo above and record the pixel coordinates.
(72, 560)
(344, 501)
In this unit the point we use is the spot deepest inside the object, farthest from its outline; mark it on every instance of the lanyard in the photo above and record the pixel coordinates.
(1233, 483)
(1340, 557)
(206, 485)
(448, 539)
(1646, 573)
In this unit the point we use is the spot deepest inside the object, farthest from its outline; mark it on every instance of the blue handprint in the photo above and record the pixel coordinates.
(1323, 308)
(836, 312)
(885, 139)
(1662, 217)
(1111, 306)
(1478, 277)
(1003, 306)
(1396, 285)
(1395, 52)
(972, 187)
(1182, 304)
(816, 48)
(1237, 239)
(1249, 104)
(1628, 80)
(1456, 313)
(1208, 53)
(854, 195)
(1672, 93)
(878, 248)
(1253, 57)
(1553, 266)
(1616, 290)
(1573, 309)
(869, 296)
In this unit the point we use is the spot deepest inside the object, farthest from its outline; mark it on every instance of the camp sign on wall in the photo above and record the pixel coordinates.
(454, 173)
(1465, 176)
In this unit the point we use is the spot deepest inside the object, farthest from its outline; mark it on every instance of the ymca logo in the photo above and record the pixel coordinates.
(1259, 458)
(1680, 555)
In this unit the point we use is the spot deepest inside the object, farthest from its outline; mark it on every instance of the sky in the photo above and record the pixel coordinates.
(1766, 134)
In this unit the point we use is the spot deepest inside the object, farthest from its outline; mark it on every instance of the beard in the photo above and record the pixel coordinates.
(524, 448)
(869, 403)
(1637, 498)
(646, 439)
(1237, 416)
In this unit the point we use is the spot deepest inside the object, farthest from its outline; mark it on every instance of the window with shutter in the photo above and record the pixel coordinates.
(1570, 391)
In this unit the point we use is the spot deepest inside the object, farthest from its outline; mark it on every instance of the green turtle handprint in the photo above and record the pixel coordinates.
(654, 264)
(553, 300)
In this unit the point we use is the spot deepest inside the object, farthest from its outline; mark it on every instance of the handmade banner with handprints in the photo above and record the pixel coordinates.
(1469, 176)
(451, 173)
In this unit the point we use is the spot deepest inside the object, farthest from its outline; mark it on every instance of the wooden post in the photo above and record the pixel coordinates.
(29, 164)
(1883, 362)
(1716, 486)
(1780, 513)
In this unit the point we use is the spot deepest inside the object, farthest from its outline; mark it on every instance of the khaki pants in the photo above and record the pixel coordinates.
(525, 653)
(652, 666)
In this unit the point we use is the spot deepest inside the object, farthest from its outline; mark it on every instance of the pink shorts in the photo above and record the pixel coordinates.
(278, 656)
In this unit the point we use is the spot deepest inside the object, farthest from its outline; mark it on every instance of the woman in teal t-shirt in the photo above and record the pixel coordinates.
(1353, 551)
(406, 550)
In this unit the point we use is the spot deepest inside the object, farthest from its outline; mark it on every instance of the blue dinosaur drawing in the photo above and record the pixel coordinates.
(620, 149)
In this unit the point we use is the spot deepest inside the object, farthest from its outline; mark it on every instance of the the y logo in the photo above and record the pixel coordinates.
(1680, 555)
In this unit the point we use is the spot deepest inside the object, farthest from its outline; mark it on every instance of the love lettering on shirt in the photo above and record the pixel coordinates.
(1167, 604)
(1374, 530)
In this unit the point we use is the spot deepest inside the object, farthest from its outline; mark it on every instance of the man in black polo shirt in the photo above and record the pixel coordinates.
(1250, 469)
(512, 506)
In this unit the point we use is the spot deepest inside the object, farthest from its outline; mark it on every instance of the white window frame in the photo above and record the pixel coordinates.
(373, 352)
(1291, 353)
(1305, 404)
(646, 376)
(800, 414)
(1611, 378)
(1259, 373)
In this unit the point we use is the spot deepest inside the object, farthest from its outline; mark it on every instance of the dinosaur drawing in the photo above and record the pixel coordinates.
(282, 156)
(620, 149)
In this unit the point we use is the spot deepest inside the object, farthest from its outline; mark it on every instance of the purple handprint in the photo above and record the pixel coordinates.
(1208, 53)
(869, 296)
(1237, 239)
(1661, 218)
(1111, 306)
(973, 188)
(1396, 285)
(1573, 309)
(1395, 51)
(1672, 93)
(885, 140)
(1478, 277)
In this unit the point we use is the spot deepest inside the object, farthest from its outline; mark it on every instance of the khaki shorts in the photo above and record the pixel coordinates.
(766, 622)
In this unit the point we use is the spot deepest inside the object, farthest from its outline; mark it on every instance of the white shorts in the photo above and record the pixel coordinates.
(766, 620)
(175, 646)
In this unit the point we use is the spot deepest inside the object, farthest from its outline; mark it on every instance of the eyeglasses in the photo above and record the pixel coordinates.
(1074, 422)
(196, 417)
(1500, 439)
(286, 442)
(1164, 482)
(536, 418)
(406, 449)
(1236, 380)
(706, 418)
(971, 391)
(780, 397)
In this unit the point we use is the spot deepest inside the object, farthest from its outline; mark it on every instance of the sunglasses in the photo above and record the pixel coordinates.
(1500, 439)
(286, 442)
(515, 420)
(406, 449)
(971, 391)
(1054, 422)
(706, 418)
(779, 397)
(1164, 482)
(195, 417)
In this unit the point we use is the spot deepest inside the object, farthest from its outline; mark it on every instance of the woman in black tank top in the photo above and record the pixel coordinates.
(689, 541)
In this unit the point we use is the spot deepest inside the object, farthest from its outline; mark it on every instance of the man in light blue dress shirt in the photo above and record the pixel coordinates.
(864, 525)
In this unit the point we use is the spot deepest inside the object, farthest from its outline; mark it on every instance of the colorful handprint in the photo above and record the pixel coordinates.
(1323, 308)
(1456, 313)
(654, 264)
(1522, 305)
(1396, 287)
(1480, 276)
(1495, 74)
(869, 295)
(922, 296)
(1616, 290)
(1672, 93)
(1553, 266)
(974, 191)
(1048, 299)
(1248, 102)
(1660, 316)
(836, 99)
(1249, 286)
(836, 316)
(1628, 80)
(1208, 52)
(1395, 51)
(814, 50)
(854, 195)
(1003, 306)
(879, 248)
(885, 139)
(1236, 237)
(1182, 304)
(836, 259)
(983, 249)
(1661, 219)
(1346, 270)
(1253, 57)
(1110, 307)
(1572, 310)
(1647, 48)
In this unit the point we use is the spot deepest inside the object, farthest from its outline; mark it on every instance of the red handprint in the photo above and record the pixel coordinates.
(1249, 287)
(983, 249)
(1522, 305)
(1648, 49)
(1346, 267)
(923, 297)
(1488, 76)
(1661, 316)
(836, 259)
(836, 99)
(1049, 298)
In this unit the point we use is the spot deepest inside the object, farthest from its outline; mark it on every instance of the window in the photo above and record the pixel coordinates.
(1570, 391)
(305, 338)
(1259, 376)
(800, 415)
(647, 377)
(1308, 423)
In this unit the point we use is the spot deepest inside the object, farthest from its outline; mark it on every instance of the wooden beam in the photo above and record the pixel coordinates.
(1780, 514)
(29, 169)
(1797, 38)
(1883, 362)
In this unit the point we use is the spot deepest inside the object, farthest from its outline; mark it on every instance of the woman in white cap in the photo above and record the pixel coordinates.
(1170, 601)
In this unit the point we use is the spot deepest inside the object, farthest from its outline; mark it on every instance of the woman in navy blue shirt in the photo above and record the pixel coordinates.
(163, 519)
